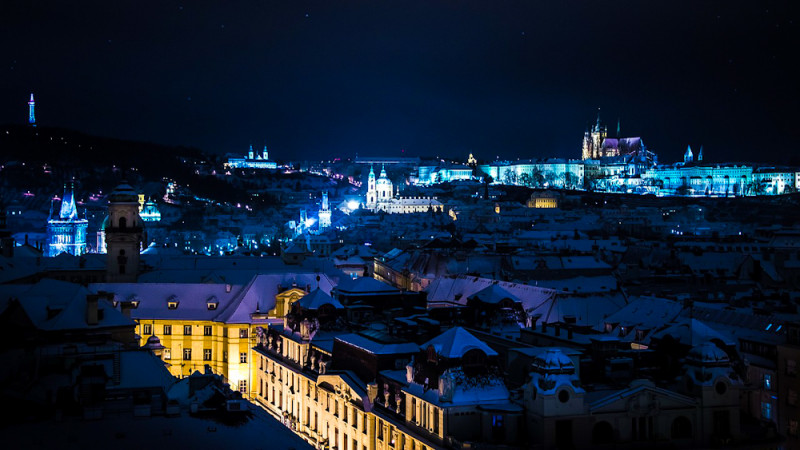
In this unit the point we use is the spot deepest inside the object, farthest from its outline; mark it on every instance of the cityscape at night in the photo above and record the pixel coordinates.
(415, 225)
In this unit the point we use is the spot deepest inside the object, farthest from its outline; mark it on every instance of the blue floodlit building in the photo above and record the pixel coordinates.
(66, 232)
(150, 212)
(253, 161)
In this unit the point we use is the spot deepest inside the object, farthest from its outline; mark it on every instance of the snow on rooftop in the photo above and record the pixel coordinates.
(454, 342)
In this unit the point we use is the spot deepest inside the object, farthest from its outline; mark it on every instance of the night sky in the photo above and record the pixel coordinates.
(319, 79)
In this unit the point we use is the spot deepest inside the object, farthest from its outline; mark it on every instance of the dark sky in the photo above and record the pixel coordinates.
(316, 79)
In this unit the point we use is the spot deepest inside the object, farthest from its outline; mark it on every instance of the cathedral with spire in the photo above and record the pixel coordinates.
(597, 144)
(380, 198)
(66, 231)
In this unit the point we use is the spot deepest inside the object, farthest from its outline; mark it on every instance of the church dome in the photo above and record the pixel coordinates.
(153, 343)
(124, 193)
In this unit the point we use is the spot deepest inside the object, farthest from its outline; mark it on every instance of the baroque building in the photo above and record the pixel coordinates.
(66, 231)
(379, 197)
(252, 160)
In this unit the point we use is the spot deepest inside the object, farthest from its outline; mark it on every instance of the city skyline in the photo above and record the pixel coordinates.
(511, 80)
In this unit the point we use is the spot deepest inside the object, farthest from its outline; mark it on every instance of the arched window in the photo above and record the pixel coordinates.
(474, 361)
(602, 433)
(681, 428)
(122, 260)
(123, 222)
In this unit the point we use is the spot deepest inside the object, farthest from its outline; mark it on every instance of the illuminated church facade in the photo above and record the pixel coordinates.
(380, 198)
(253, 160)
(66, 231)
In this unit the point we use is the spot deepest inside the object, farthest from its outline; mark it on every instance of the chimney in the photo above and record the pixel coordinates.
(558, 329)
(126, 308)
(91, 309)
(544, 327)
(569, 333)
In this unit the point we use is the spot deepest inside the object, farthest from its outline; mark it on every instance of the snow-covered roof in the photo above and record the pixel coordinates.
(377, 348)
(365, 285)
(458, 288)
(53, 305)
(317, 298)
(455, 342)
(494, 294)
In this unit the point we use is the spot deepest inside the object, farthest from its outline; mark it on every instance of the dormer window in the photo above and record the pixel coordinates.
(172, 302)
(212, 303)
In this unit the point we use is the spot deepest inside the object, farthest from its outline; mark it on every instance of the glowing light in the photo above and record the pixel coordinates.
(352, 205)
(309, 222)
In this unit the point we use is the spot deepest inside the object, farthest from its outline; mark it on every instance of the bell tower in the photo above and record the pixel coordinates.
(124, 234)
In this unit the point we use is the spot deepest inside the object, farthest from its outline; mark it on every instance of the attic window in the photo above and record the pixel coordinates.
(212, 303)
(135, 304)
(172, 302)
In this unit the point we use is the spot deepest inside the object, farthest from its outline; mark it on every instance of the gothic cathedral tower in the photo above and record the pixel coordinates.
(124, 234)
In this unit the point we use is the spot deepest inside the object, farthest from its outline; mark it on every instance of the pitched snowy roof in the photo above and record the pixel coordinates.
(378, 348)
(153, 299)
(458, 288)
(365, 285)
(454, 342)
(494, 294)
(260, 293)
(317, 298)
(57, 305)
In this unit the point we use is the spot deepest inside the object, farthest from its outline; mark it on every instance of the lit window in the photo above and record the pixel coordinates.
(167, 353)
(766, 410)
(767, 381)
(242, 332)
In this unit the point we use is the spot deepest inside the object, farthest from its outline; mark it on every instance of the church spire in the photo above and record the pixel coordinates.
(68, 209)
(597, 125)
(618, 124)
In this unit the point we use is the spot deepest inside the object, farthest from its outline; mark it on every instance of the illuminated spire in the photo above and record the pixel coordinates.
(618, 122)
(68, 209)
(250, 154)
(31, 111)
(266, 154)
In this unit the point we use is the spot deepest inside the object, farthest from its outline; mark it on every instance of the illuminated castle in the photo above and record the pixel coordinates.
(597, 144)
(379, 197)
(66, 232)
(253, 161)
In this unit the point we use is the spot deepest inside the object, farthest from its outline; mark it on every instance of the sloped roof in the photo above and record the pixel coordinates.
(67, 300)
(454, 342)
(365, 285)
(317, 298)
(494, 294)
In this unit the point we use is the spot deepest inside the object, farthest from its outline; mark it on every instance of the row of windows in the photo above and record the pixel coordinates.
(147, 330)
(207, 355)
